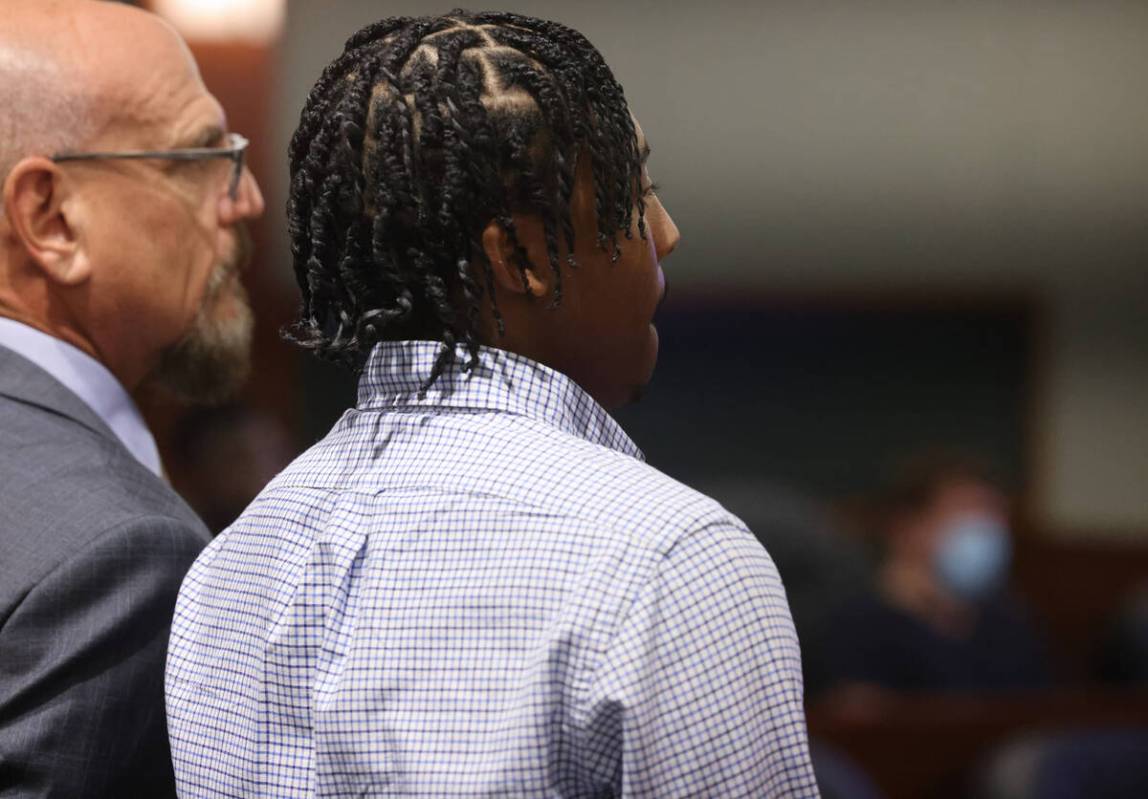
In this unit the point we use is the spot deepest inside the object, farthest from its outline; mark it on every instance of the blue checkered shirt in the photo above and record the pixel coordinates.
(483, 591)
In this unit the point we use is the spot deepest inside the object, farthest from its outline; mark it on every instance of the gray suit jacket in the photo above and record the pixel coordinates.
(93, 548)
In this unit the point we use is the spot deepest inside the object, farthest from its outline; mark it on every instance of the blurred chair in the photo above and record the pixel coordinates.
(1092, 764)
(838, 777)
(1125, 650)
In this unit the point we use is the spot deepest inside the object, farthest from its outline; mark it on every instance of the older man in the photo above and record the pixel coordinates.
(121, 241)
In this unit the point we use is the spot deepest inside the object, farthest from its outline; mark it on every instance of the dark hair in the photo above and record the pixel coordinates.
(420, 134)
(919, 479)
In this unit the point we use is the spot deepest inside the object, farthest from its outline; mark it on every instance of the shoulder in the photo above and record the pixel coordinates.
(615, 491)
(511, 467)
(68, 493)
(143, 555)
(518, 459)
(650, 531)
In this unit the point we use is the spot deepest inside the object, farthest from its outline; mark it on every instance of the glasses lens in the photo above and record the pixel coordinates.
(236, 176)
(240, 144)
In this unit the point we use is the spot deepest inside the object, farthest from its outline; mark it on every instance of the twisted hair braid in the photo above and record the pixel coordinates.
(422, 132)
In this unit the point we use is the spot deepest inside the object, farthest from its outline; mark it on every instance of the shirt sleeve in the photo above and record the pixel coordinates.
(81, 668)
(702, 682)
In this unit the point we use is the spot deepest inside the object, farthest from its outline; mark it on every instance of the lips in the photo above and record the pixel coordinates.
(665, 291)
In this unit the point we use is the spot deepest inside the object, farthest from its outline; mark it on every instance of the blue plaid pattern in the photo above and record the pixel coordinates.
(483, 591)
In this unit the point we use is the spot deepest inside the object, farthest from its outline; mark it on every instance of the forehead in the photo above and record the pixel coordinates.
(147, 84)
(969, 494)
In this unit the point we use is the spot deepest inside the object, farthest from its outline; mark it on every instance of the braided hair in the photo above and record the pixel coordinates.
(413, 140)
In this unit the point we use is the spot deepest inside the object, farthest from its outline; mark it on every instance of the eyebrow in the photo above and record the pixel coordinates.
(208, 137)
(645, 152)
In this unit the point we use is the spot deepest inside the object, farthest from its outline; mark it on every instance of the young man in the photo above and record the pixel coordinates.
(474, 586)
(114, 270)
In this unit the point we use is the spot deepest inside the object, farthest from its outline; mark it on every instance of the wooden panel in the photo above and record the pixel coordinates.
(923, 747)
(1077, 588)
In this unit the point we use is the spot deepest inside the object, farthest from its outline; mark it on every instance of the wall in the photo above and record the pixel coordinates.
(899, 146)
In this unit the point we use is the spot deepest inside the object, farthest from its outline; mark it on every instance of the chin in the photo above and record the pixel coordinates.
(636, 391)
(213, 360)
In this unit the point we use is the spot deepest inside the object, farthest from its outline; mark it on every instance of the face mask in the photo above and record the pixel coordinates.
(974, 557)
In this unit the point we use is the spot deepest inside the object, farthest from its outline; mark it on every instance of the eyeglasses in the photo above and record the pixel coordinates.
(233, 150)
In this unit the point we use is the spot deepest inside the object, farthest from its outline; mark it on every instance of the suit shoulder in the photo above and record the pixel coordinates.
(61, 494)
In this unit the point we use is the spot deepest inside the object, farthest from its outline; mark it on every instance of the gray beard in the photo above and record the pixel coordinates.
(213, 360)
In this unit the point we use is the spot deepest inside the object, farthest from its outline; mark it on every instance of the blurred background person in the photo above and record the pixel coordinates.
(940, 617)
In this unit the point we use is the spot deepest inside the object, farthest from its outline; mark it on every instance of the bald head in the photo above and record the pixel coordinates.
(127, 259)
(72, 69)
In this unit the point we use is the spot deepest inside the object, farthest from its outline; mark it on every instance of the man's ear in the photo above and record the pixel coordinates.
(507, 264)
(41, 208)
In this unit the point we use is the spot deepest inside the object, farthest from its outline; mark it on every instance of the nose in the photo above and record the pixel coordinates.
(665, 233)
(248, 202)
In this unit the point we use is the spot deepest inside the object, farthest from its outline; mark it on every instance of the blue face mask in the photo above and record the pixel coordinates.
(973, 560)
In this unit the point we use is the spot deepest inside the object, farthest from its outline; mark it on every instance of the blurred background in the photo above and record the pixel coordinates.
(907, 343)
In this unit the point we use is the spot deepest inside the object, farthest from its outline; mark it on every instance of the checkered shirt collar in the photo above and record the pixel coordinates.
(501, 381)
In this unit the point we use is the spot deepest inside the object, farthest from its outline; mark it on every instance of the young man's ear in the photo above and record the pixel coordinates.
(41, 210)
(507, 264)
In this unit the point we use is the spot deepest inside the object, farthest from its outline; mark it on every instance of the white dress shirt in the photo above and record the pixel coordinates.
(482, 590)
(89, 380)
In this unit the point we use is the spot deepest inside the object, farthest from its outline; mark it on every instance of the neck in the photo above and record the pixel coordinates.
(38, 309)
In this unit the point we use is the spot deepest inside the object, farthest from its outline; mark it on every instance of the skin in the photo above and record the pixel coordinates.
(602, 334)
(121, 258)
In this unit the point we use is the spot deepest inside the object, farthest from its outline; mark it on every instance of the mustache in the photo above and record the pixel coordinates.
(241, 259)
(238, 262)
